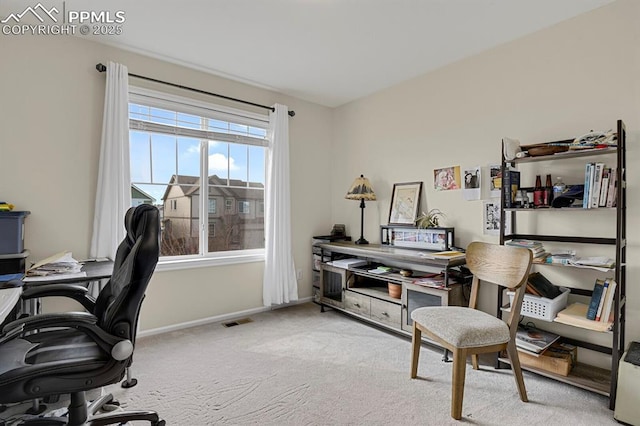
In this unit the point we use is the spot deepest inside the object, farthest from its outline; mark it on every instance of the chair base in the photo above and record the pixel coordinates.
(79, 413)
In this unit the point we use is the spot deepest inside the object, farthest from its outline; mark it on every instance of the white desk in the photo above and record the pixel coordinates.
(8, 299)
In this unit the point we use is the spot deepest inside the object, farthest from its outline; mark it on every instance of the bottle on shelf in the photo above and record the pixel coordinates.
(559, 187)
(538, 192)
(548, 191)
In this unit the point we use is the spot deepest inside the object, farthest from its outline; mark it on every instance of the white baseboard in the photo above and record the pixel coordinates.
(217, 318)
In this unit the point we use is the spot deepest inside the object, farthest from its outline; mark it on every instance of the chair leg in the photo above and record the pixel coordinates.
(517, 371)
(415, 350)
(457, 382)
(474, 362)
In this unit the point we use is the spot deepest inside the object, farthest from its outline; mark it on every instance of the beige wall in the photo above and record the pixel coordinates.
(51, 117)
(580, 75)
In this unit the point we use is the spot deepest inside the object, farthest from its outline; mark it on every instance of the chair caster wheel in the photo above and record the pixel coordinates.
(160, 423)
(129, 383)
(113, 406)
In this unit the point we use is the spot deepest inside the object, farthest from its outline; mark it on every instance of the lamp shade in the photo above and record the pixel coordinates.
(361, 190)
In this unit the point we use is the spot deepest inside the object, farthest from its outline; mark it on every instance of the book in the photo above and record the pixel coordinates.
(348, 263)
(588, 168)
(576, 315)
(450, 254)
(533, 339)
(608, 303)
(595, 299)
(561, 258)
(603, 296)
(613, 186)
(517, 242)
(510, 186)
(595, 187)
(604, 187)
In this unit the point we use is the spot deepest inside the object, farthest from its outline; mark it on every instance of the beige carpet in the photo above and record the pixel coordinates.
(297, 366)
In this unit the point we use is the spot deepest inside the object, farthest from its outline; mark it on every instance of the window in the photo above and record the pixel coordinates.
(243, 207)
(188, 154)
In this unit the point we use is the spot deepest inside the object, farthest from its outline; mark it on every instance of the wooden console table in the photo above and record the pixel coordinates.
(363, 293)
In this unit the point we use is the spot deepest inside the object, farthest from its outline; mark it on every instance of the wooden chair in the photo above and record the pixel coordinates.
(468, 331)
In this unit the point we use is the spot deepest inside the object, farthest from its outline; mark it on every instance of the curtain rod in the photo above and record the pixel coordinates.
(103, 68)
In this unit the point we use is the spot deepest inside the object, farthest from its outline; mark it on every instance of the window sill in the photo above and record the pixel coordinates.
(205, 262)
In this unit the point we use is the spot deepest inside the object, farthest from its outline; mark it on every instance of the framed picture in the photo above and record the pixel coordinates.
(405, 202)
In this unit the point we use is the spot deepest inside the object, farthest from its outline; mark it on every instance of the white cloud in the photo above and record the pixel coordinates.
(218, 163)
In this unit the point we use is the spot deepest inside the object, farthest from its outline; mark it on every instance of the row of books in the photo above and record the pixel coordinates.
(601, 300)
(600, 186)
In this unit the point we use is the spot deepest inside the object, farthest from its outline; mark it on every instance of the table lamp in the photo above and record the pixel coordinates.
(361, 190)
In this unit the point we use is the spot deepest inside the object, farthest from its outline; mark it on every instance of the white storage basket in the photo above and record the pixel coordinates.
(541, 307)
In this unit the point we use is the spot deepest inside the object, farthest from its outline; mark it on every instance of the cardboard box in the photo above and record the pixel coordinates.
(558, 359)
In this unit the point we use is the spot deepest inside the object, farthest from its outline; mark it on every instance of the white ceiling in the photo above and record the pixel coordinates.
(325, 51)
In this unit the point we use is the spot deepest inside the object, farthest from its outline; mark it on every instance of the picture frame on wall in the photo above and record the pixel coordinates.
(405, 202)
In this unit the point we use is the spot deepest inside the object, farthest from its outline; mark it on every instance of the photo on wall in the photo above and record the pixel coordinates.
(447, 178)
(495, 180)
(491, 218)
(472, 182)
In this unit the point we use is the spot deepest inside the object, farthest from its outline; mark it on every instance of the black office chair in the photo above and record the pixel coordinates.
(74, 352)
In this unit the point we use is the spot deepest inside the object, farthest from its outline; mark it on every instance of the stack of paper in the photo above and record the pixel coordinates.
(599, 263)
(60, 265)
(348, 263)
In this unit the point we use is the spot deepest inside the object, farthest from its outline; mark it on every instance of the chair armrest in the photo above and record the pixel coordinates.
(82, 321)
(77, 292)
(63, 319)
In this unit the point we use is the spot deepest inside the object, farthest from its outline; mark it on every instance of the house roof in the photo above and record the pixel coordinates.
(138, 193)
(235, 188)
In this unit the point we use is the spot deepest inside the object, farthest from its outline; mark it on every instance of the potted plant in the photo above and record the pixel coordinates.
(431, 219)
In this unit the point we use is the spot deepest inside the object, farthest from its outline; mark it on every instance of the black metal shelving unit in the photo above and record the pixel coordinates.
(602, 381)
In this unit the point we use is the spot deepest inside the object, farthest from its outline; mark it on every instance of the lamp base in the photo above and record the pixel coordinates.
(362, 241)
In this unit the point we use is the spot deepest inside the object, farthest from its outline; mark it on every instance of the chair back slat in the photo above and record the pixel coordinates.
(502, 265)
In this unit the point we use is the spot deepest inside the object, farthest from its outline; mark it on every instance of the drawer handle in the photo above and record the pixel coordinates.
(357, 305)
(385, 314)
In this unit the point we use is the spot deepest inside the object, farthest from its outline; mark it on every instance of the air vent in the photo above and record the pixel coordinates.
(237, 322)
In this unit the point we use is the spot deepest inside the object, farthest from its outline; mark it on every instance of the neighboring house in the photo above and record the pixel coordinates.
(235, 213)
(138, 196)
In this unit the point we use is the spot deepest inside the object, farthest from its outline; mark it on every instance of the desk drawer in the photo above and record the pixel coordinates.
(357, 303)
(386, 312)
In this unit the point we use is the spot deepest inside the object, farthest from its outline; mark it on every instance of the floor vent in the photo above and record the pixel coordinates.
(237, 322)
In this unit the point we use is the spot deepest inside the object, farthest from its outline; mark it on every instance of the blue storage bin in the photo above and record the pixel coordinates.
(12, 231)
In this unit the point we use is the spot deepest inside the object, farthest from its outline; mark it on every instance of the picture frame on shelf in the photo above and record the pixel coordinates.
(405, 202)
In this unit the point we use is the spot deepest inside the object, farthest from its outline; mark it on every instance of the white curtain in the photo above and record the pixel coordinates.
(279, 285)
(113, 193)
